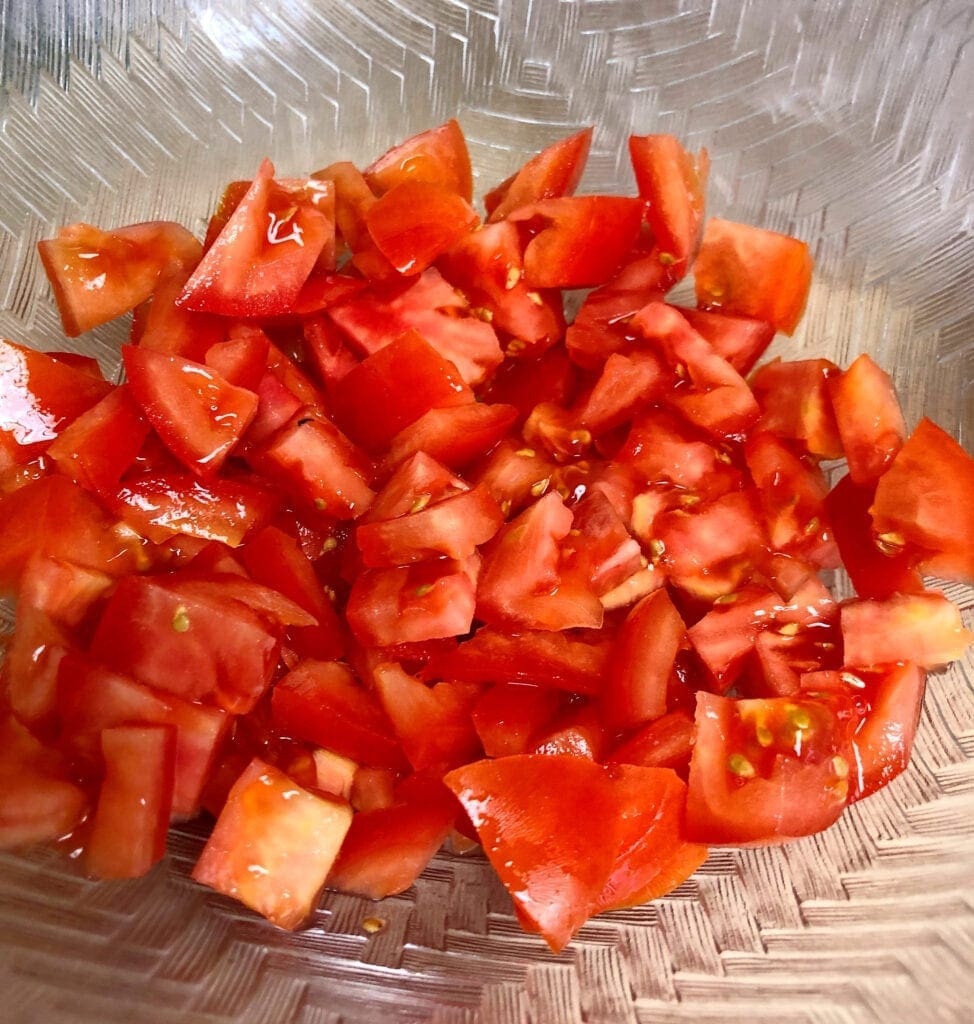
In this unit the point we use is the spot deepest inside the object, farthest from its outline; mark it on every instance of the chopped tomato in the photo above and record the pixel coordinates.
(290, 835)
(750, 271)
(435, 157)
(666, 742)
(509, 715)
(796, 403)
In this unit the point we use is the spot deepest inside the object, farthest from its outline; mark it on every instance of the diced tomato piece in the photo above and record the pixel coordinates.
(322, 290)
(415, 222)
(765, 771)
(262, 257)
(487, 266)
(200, 646)
(868, 418)
(555, 171)
(509, 715)
(420, 478)
(318, 465)
(796, 404)
(642, 660)
(547, 658)
(432, 722)
(291, 835)
(654, 856)
(412, 603)
(392, 388)
(373, 788)
(54, 517)
(455, 435)
(741, 340)
(434, 309)
(39, 397)
(876, 569)
(98, 275)
(750, 271)
(161, 325)
(37, 800)
(334, 773)
(321, 702)
(92, 697)
(925, 629)
(548, 824)
(524, 383)
(437, 156)
(242, 359)
(276, 560)
(666, 742)
(353, 197)
(584, 242)
(792, 494)
(61, 589)
(160, 505)
(329, 352)
(579, 731)
(453, 527)
(602, 551)
(128, 829)
(926, 499)
(387, 848)
(522, 584)
(102, 443)
(627, 384)
(30, 667)
(601, 326)
(675, 183)
(199, 415)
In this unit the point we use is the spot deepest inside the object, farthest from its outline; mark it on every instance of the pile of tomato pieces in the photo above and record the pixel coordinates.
(373, 551)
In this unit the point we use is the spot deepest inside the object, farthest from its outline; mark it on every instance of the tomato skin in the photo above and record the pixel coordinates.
(555, 171)
(291, 834)
(674, 181)
(128, 830)
(926, 499)
(752, 782)
(750, 271)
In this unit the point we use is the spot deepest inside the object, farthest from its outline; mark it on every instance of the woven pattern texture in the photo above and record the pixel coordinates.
(846, 122)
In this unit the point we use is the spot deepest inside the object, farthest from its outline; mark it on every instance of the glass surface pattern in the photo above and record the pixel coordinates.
(846, 122)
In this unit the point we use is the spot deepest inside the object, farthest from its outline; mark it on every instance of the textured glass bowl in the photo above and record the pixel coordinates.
(847, 123)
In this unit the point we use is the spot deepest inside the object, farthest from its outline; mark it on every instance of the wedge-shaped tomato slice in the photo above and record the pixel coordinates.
(796, 404)
(392, 388)
(765, 771)
(675, 184)
(741, 340)
(926, 500)
(750, 271)
(321, 702)
(265, 252)
(430, 306)
(198, 414)
(273, 845)
(642, 660)
(523, 584)
(39, 397)
(555, 171)
(201, 646)
(131, 819)
(415, 222)
(92, 697)
(433, 723)
(99, 447)
(387, 848)
(925, 629)
(162, 505)
(584, 241)
(627, 384)
(437, 156)
(99, 275)
(487, 266)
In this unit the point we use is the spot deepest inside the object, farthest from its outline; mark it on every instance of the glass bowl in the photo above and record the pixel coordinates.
(846, 123)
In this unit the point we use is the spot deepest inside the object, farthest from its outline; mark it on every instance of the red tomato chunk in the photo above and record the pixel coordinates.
(374, 548)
